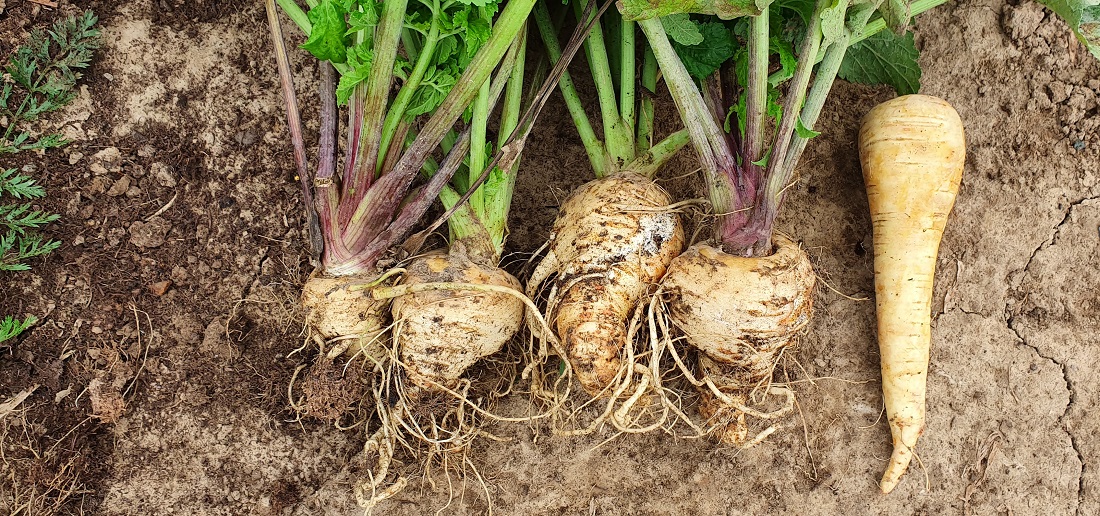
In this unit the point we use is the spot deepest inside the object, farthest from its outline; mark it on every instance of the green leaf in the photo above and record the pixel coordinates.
(724, 9)
(763, 161)
(11, 327)
(327, 41)
(703, 59)
(19, 186)
(359, 60)
(802, 131)
(477, 33)
(787, 61)
(803, 8)
(433, 90)
(681, 29)
(366, 18)
(884, 58)
(1083, 16)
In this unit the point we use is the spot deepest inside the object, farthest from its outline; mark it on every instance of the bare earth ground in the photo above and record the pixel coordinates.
(154, 400)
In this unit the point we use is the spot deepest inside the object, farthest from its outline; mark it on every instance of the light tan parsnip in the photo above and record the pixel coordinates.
(441, 333)
(612, 241)
(741, 313)
(342, 307)
(912, 150)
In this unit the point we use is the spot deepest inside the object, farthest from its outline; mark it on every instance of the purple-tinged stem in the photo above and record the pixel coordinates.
(381, 201)
(730, 191)
(386, 42)
(355, 130)
(409, 214)
(326, 190)
(756, 94)
(294, 124)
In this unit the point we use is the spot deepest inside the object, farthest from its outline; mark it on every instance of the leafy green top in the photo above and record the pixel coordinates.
(456, 29)
(18, 241)
(41, 77)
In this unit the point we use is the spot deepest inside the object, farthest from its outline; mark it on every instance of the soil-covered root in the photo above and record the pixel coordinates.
(341, 310)
(440, 333)
(741, 314)
(613, 239)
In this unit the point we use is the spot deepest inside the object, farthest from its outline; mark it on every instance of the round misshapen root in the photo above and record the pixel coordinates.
(442, 332)
(741, 314)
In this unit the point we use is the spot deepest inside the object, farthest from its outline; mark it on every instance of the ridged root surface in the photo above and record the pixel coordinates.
(613, 239)
(741, 313)
(441, 333)
(341, 307)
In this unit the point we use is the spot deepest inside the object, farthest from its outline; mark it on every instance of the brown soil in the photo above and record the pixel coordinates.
(172, 400)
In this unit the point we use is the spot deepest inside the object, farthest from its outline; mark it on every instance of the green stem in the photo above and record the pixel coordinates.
(756, 92)
(652, 159)
(878, 24)
(502, 184)
(386, 41)
(593, 146)
(405, 95)
(479, 125)
(815, 100)
(644, 138)
(627, 79)
(620, 146)
(296, 15)
(796, 95)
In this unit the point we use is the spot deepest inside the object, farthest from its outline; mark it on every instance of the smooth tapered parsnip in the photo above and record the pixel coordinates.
(912, 150)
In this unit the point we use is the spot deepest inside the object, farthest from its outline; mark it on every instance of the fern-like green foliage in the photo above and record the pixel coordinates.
(10, 326)
(41, 77)
(18, 220)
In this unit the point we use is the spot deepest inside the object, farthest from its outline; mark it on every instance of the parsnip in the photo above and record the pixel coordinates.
(341, 307)
(912, 150)
(613, 239)
(741, 313)
(441, 333)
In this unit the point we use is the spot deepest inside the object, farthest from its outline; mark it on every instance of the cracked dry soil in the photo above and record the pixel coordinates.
(161, 367)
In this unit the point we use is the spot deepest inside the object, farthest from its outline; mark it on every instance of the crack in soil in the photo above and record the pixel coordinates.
(1069, 406)
(1056, 230)
(1010, 321)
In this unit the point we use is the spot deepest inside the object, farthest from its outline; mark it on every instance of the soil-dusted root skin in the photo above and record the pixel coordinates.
(613, 239)
(912, 150)
(441, 333)
(341, 307)
(741, 313)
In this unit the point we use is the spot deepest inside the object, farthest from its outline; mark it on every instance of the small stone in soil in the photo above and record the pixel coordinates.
(160, 288)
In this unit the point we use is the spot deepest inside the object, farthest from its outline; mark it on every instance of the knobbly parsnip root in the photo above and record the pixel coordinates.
(441, 333)
(613, 239)
(741, 313)
(912, 150)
